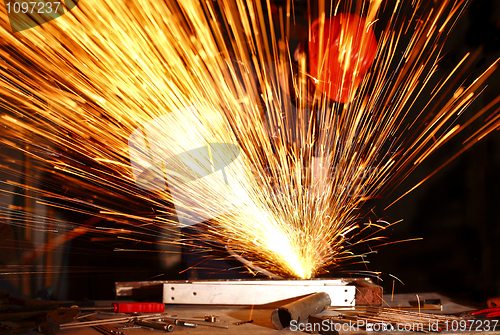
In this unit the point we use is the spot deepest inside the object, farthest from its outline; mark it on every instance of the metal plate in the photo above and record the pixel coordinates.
(255, 292)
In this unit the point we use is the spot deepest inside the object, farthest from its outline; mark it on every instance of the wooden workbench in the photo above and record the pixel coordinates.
(261, 316)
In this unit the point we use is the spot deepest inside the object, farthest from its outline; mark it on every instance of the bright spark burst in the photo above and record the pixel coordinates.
(76, 87)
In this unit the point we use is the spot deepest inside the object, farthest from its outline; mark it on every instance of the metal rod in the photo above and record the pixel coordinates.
(176, 320)
(109, 321)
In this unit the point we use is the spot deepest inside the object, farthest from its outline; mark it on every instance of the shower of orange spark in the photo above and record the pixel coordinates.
(74, 89)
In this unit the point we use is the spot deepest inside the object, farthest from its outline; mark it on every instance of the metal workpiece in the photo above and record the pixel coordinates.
(346, 292)
(256, 292)
(300, 310)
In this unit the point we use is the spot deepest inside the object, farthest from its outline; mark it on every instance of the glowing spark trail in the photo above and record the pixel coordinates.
(74, 89)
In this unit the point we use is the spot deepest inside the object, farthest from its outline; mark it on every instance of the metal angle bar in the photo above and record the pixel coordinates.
(255, 292)
(274, 282)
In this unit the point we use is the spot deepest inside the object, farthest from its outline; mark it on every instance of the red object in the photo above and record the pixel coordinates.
(339, 60)
(489, 313)
(139, 307)
(494, 302)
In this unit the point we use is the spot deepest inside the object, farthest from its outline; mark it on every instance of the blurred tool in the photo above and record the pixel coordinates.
(50, 324)
(110, 321)
(128, 327)
(189, 323)
(30, 314)
(105, 329)
(45, 321)
(243, 322)
(212, 318)
(166, 326)
(185, 324)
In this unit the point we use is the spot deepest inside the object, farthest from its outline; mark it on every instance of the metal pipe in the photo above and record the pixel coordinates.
(300, 310)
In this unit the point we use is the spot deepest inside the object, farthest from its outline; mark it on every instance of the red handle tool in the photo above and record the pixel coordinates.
(139, 307)
(489, 313)
(130, 307)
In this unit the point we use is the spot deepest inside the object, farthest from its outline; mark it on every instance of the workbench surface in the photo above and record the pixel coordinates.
(261, 316)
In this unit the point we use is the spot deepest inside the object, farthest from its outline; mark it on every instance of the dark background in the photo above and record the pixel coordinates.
(456, 212)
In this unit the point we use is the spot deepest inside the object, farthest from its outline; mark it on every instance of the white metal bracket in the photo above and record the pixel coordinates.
(255, 292)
